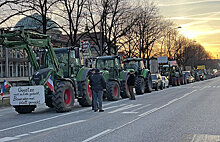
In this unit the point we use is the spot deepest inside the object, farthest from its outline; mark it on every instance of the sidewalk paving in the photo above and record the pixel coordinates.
(4, 101)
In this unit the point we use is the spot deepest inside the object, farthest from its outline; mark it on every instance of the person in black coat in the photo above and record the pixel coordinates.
(131, 84)
(90, 74)
(98, 84)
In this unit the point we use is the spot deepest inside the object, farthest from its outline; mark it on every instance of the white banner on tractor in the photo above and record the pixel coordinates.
(27, 95)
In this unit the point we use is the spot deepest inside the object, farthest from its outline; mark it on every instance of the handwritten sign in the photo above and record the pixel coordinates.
(27, 95)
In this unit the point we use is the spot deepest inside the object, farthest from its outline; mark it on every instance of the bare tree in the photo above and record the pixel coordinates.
(112, 15)
(148, 29)
(7, 13)
(27, 7)
(72, 17)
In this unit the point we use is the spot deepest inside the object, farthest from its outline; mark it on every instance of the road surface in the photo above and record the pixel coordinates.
(186, 113)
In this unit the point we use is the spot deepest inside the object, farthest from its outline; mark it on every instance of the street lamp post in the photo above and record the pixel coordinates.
(169, 39)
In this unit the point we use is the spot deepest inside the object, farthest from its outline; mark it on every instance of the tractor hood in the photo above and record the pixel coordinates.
(41, 75)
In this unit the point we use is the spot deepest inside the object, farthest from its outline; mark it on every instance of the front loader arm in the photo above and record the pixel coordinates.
(26, 40)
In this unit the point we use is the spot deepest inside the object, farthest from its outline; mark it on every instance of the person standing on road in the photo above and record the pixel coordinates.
(98, 84)
(90, 74)
(131, 83)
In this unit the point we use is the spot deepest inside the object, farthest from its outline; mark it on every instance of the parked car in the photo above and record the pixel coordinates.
(157, 81)
(165, 82)
(189, 77)
(192, 79)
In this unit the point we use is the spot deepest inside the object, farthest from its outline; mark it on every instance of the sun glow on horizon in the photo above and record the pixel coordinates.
(189, 34)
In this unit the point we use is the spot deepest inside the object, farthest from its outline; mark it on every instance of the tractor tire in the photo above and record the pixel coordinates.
(178, 81)
(174, 81)
(161, 86)
(86, 100)
(113, 91)
(125, 90)
(23, 109)
(157, 88)
(49, 103)
(48, 99)
(148, 84)
(139, 85)
(182, 81)
(63, 100)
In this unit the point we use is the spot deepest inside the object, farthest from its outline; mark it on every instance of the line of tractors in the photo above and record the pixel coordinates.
(70, 77)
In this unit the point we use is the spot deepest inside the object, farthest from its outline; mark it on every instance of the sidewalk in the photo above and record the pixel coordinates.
(4, 101)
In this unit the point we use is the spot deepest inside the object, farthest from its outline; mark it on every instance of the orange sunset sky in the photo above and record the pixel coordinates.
(199, 19)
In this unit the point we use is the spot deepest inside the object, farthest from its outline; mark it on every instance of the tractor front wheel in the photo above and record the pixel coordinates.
(139, 85)
(22, 109)
(113, 91)
(125, 90)
(86, 100)
(148, 84)
(63, 100)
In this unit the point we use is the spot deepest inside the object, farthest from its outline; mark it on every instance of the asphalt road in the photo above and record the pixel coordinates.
(187, 113)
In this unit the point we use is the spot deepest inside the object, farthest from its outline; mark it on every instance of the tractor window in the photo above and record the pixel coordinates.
(72, 54)
(104, 64)
(141, 65)
(117, 64)
(131, 65)
(63, 60)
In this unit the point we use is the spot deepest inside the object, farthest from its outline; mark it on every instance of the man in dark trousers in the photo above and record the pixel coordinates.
(131, 83)
(91, 73)
(98, 84)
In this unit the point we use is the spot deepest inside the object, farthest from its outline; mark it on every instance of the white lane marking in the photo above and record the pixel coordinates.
(170, 102)
(114, 106)
(98, 135)
(124, 108)
(57, 116)
(6, 109)
(22, 135)
(6, 139)
(144, 114)
(135, 110)
(132, 112)
(56, 127)
(43, 120)
(148, 112)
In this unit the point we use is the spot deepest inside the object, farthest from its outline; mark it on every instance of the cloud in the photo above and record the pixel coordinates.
(198, 18)
(187, 3)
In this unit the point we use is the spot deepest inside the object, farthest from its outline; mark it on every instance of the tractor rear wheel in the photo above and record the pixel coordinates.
(86, 100)
(139, 85)
(148, 84)
(174, 81)
(22, 109)
(63, 100)
(178, 81)
(125, 90)
(113, 91)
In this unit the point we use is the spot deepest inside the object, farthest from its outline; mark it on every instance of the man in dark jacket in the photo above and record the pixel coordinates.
(131, 83)
(98, 84)
(90, 74)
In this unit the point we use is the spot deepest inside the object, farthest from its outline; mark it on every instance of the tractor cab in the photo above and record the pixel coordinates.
(112, 64)
(134, 63)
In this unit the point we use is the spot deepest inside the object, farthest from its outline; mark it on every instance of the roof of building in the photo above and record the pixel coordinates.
(33, 22)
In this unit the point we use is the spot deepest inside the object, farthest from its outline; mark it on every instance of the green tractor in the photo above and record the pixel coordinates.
(116, 78)
(174, 74)
(60, 67)
(143, 81)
